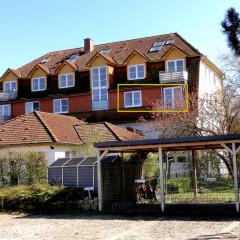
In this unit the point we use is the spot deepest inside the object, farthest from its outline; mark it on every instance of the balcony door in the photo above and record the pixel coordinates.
(173, 98)
(10, 87)
(99, 88)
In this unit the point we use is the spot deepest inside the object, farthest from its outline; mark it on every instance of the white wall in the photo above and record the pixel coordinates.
(209, 81)
(52, 153)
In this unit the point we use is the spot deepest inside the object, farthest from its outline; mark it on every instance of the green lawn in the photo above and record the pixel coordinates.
(207, 197)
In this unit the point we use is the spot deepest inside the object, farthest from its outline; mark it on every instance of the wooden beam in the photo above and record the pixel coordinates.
(227, 148)
(237, 150)
(160, 156)
(194, 173)
(99, 158)
(170, 145)
(234, 156)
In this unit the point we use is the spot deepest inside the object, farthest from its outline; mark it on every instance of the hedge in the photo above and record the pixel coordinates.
(41, 197)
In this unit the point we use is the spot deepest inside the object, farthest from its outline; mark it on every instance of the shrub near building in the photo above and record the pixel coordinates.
(23, 168)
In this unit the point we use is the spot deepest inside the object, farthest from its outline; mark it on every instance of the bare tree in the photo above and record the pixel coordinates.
(213, 114)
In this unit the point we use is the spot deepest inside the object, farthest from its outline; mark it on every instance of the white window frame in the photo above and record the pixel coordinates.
(175, 64)
(60, 99)
(99, 87)
(132, 93)
(26, 103)
(173, 96)
(135, 66)
(66, 74)
(39, 89)
(9, 110)
(4, 86)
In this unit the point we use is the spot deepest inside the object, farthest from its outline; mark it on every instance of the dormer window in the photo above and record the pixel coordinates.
(10, 86)
(175, 65)
(136, 72)
(39, 84)
(66, 80)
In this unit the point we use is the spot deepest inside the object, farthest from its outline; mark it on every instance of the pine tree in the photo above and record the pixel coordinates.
(231, 27)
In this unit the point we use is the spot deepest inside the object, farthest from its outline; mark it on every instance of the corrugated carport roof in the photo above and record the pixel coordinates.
(172, 144)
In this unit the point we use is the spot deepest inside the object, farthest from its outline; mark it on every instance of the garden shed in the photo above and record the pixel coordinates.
(74, 172)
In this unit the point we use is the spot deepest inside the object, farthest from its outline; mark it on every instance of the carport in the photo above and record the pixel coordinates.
(229, 142)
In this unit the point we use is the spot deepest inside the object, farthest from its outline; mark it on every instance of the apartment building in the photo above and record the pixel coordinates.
(83, 82)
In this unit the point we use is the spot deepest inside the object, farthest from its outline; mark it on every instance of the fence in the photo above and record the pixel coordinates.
(134, 184)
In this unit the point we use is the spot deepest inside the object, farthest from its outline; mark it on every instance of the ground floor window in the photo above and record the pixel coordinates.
(133, 99)
(60, 105)
(5, 112)
(32, 106)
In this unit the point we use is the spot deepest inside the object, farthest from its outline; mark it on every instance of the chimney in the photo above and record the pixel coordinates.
(88, 45)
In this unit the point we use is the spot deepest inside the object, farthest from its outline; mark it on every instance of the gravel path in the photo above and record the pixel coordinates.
(98, 227)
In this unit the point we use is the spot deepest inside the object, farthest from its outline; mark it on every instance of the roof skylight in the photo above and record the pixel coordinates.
(159, 43)
(105, 51)
(157, 46)
(155, 49)
(45, 60)
(169, 42)
(73, 57)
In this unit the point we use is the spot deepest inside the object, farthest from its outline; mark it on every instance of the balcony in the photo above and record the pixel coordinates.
(173, 77)
(5, 96)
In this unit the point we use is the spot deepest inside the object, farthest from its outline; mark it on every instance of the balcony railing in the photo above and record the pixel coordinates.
(5, 96)
(4, 118)
(173, 77)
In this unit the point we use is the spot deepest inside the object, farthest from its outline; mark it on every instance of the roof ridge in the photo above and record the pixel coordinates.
(189, 44)
(114, 134)
(133, 39)
(123, 129)
(74, 127)
(46, 126)
(100, 44)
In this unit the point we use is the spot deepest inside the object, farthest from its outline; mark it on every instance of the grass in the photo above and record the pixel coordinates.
(210, 196)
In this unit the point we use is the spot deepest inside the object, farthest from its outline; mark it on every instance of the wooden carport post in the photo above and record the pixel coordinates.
(234, 152)
(194, 174)
(99, 158)
(160, 155)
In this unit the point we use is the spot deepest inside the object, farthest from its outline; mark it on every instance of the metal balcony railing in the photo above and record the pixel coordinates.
(173, 77)
(5, 96)
(4, 118)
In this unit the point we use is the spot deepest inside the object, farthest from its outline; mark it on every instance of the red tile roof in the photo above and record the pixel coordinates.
(40, 127)
(103, 132)
(120, 51)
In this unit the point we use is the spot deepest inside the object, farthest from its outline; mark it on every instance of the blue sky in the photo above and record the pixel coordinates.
(30, 29)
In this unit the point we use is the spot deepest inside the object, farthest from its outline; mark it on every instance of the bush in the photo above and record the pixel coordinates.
(37, 196)
(23, 168)
(179, 184)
